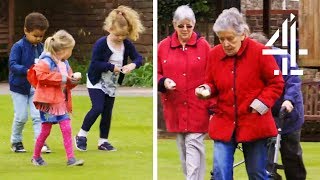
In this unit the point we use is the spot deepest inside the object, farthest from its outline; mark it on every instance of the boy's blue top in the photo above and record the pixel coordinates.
(100, 59)
(21, 57)
(291, 92)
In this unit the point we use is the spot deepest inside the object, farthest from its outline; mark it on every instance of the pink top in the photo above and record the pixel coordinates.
(58, 108)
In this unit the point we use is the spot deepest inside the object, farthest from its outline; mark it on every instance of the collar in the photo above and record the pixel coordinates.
(176, 43)
(25, 40)
(45, 54)
(243, 47)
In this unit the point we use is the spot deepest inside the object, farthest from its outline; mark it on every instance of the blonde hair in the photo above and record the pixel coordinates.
(124, 19)
(59, 41)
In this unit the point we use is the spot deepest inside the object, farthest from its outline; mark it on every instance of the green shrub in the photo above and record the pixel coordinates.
(202, 8)
(80, 66)
(140, 77)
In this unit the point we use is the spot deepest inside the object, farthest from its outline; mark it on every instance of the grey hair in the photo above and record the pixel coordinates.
(184, 12)
(260, 37)
(231, 18)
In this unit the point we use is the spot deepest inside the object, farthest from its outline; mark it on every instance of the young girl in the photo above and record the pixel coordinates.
(109, 58)
(53, 93)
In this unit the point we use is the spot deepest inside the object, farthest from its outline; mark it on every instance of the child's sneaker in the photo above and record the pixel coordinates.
(106, 146)
(81, 143)
(38, 161)
(18, 147)
(45, 149)
(74, 162)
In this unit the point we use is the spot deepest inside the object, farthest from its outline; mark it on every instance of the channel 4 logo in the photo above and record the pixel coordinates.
(293, 48)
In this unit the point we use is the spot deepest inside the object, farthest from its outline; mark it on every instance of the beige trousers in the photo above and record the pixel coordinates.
(192, 155)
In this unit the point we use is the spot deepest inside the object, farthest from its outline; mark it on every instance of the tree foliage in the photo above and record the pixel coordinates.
(203, 9)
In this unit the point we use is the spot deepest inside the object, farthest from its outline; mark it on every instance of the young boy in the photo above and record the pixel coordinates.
(23, 55)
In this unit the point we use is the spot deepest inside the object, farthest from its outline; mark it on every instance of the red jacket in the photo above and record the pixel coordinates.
(236, 81)
(183, 111)
(48, 86)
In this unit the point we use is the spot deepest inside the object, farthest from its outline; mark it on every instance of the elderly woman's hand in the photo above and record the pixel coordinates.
(203, 91)
(288, 105)
(169, 84)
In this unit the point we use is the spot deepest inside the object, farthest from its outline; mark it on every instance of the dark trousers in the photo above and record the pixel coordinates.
(102, 104)
(291, 155)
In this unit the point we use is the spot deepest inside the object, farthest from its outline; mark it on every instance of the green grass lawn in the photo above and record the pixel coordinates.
(131, 134)
(169, 167)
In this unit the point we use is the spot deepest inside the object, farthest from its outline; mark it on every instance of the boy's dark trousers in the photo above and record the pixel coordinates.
(291, 155)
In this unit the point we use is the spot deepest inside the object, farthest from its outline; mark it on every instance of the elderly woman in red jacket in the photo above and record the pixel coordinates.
(243, 81)
(182, 59)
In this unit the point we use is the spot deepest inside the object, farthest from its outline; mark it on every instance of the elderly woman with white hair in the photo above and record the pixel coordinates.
(182, 59)
(243, 81)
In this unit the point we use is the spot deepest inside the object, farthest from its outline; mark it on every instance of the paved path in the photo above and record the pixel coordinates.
(81, 90)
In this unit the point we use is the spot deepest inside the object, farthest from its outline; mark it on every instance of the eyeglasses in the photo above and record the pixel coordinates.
(184, 25)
